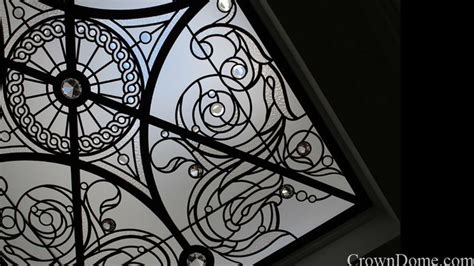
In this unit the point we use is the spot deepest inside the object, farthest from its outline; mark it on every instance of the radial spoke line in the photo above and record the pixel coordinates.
(66, 132)
(90, 58)
(93, 118)
(78, 49)
(38, 95)
(24, 69)
(71, 59)
(63, 49)
(111, 96)
(100, 69)
(34, 80)
(42, 69)
(49, 56)
(288, 173)
(55, 117)
(105, 109)
(107, 81)
(76, 184)
(46, 107)
(83, 132)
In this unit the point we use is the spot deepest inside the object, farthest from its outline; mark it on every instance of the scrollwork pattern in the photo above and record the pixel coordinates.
(42, 221)
(191, 170)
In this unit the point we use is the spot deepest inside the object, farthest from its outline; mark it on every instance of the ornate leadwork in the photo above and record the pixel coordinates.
(185, 144)
(50, 133)
(38, 228)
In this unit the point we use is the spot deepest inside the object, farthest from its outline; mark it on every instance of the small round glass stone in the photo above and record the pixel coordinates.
(195, 171)
(328, 161)
(304, 148)
(196, 259)
(212, 93)
(18, 12)
(224, 5)
(312, 199)
(4, 136)
(145, 37)
(217, 109)
(108, 225)
(287, 191)
(71, 88)
(123, 159)
(239, 71)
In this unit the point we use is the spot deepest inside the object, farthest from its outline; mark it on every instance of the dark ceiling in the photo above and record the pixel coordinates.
(352, 48)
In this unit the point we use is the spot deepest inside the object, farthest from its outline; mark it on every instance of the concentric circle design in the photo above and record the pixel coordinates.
(48, 217)
(111, 71)
(216, 162)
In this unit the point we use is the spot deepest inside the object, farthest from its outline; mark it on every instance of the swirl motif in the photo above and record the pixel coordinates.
(244, 103)
(11, 223)
(39, 228)
(110, 246)
(50, 218)
(233, 208)
(234, 211)
(202, 95)
(242, 68)
(42, 218)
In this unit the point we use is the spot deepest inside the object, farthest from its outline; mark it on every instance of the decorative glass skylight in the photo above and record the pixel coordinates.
(158, 132)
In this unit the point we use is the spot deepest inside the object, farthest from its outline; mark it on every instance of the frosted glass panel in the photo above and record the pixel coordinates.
(157, 133)
(121, 4)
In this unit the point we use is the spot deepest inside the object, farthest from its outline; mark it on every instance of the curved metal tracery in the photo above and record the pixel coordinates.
(182, 118)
